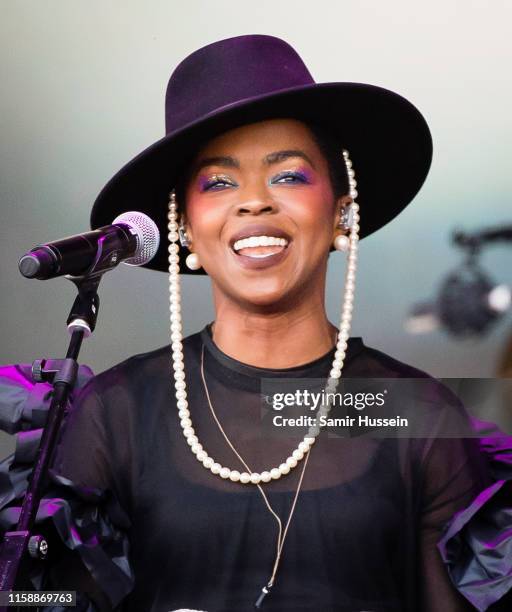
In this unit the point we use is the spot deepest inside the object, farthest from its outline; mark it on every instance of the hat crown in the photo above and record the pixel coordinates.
(229, 71)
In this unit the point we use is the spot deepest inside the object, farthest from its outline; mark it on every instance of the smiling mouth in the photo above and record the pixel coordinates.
(259, 247)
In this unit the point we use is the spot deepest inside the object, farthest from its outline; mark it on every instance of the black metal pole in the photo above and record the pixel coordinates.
(62, 374)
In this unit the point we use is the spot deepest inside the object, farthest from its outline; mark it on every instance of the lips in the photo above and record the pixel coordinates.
(259, 263)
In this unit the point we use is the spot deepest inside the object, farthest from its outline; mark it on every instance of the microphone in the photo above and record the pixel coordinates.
(133, 238)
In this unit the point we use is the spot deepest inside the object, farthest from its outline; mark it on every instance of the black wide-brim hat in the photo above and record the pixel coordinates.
(246, 79)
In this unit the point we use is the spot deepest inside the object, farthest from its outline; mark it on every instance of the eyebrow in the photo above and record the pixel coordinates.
(279, 156)
(227, 161)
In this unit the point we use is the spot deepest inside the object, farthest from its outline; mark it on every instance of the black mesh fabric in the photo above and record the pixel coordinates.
(368, 517)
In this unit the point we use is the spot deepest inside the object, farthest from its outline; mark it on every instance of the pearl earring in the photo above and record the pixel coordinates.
(342, 243)
(192, 261)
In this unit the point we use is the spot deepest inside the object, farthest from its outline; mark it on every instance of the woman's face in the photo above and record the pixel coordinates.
(260, 212)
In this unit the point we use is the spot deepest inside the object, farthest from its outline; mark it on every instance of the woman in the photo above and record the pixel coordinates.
(224, 513)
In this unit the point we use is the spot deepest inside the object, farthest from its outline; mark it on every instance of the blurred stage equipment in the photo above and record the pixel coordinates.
(469, 302)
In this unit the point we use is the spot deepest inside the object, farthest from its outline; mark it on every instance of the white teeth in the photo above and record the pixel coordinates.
(255, 241)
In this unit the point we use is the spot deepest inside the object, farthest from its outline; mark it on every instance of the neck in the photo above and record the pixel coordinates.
(276, 340)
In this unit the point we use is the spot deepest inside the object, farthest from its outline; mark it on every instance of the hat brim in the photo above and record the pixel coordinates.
(388, 139)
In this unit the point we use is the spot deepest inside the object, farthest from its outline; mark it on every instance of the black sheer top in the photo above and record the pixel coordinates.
(369, 514)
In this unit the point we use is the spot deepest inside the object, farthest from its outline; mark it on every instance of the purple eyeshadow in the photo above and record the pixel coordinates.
(203, 181)
(303, 175)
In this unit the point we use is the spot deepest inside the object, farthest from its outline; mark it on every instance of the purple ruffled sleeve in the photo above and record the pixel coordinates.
(86, 527)
(477, 542)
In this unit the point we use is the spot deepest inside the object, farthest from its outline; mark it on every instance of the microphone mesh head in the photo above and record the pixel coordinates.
(148, 236)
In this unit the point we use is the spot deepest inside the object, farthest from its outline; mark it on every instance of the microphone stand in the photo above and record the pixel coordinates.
(61, 373)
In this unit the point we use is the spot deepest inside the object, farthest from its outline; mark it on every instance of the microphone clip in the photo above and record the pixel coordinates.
(84, 312)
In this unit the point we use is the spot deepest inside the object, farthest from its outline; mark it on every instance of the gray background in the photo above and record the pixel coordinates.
(82, 92)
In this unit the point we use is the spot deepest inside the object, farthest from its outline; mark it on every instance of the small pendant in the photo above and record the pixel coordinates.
(264, 592)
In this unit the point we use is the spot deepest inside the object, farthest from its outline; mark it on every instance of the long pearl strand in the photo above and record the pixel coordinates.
(178, 358)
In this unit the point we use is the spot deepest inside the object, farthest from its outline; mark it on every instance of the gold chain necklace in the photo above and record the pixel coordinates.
(281, 535)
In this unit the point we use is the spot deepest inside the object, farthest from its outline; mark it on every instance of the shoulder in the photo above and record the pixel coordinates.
(141, 369)
(381, 365)
(437, 419)
(130, 395)
(373, 363)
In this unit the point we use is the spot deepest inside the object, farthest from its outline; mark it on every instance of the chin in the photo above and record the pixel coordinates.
(265, 293)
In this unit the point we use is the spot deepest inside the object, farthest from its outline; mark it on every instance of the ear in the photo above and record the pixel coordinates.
(341, 204)
(182, 222)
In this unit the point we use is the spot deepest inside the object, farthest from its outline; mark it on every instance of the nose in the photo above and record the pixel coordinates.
(256, 206)
(255, 198)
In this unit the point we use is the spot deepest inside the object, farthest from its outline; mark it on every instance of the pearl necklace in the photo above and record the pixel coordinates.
(178, 359)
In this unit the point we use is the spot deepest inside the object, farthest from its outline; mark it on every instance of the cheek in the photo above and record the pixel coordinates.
(313, 213)
(205, 220)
